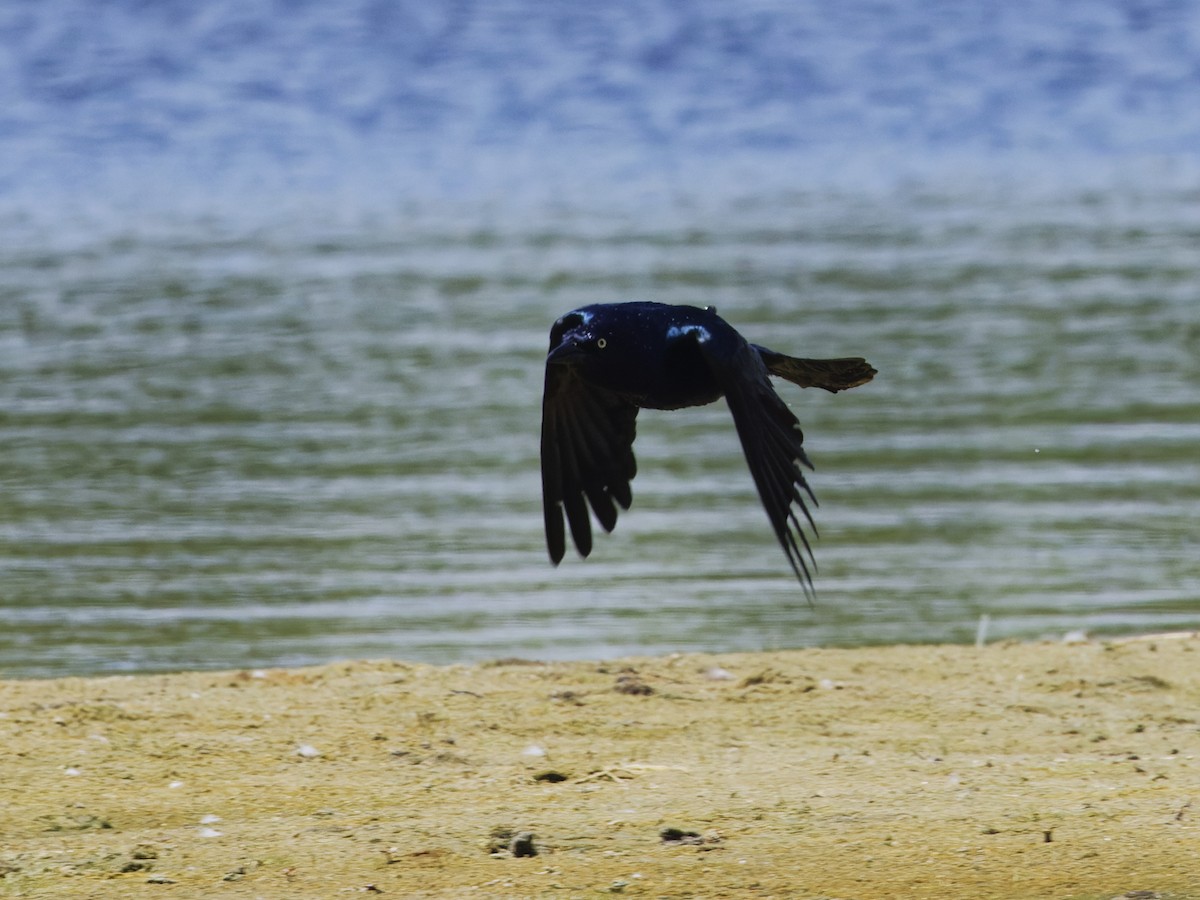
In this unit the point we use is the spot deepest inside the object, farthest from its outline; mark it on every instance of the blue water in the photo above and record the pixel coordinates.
(276, 278)
(365, 105)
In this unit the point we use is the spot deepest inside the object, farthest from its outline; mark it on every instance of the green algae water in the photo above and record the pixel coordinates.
(283, 445)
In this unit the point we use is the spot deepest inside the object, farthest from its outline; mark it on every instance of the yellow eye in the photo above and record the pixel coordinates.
(601, 343)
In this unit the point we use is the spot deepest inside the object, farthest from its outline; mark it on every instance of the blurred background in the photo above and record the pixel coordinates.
(276, 280)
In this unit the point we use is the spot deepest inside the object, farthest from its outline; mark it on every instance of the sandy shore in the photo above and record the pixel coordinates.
(1015, 771)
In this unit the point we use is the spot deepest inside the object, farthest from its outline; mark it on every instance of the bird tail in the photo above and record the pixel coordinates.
(831, 374)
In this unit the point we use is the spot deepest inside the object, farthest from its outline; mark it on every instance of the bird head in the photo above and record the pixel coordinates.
(574, 338)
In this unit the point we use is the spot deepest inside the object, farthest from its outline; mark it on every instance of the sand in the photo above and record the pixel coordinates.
(1044, 770)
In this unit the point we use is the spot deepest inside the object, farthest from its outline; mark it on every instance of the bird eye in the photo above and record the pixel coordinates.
(601, 343)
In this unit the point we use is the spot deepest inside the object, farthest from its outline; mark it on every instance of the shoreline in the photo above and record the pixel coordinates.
(1012, 770)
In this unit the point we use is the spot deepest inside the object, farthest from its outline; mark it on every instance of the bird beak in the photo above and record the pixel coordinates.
(569, 348)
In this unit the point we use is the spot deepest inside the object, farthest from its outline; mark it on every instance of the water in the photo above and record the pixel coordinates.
(275, 286)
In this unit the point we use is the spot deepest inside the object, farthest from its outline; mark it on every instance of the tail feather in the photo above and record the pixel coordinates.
(831, 374)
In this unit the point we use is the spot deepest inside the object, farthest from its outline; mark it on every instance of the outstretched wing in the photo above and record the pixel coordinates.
(587, 452)
(773, 444)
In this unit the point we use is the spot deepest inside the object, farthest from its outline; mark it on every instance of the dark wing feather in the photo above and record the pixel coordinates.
(587, 458)
(773, 443)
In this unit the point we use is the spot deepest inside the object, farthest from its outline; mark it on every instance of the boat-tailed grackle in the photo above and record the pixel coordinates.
(607, 361)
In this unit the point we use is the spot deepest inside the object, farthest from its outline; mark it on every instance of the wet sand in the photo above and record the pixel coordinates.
(1014, 771)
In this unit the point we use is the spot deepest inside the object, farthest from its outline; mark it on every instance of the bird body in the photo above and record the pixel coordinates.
(607, 361)
(650, 354)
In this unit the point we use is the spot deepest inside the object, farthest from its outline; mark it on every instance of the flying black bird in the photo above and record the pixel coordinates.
(607, 361)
